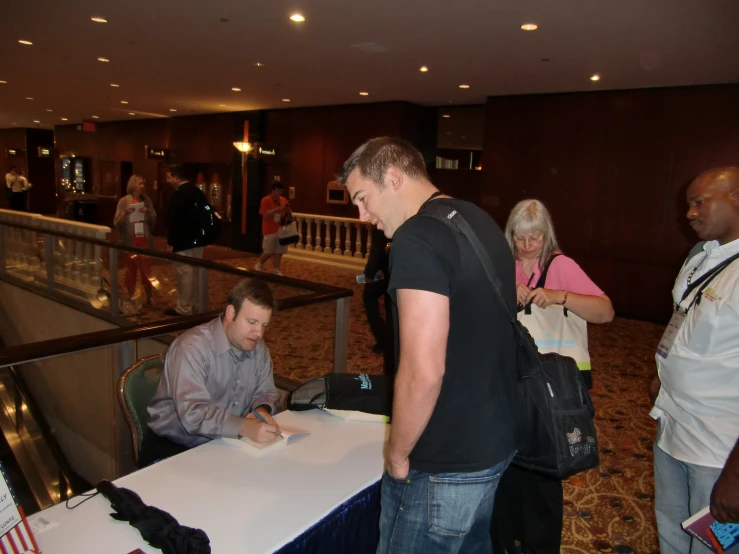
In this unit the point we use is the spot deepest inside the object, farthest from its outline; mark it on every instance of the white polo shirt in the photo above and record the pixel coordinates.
(698, 404)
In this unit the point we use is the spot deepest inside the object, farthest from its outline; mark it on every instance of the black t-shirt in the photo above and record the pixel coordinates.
(473, 425)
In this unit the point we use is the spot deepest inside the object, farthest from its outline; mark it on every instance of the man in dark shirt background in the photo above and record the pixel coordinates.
(454, 410)
(182, 238)
(376, 274)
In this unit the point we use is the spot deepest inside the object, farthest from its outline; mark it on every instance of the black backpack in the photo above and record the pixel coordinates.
(207, 222)
(344, 391)
(558, 437)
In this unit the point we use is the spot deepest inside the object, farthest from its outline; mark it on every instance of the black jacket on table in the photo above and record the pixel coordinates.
(183, 216)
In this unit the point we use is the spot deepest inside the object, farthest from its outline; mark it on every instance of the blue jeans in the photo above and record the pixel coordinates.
(680, 490)
(430, 513)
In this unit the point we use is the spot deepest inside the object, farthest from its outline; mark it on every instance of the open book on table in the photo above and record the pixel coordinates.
(719, 537)
(289, 436)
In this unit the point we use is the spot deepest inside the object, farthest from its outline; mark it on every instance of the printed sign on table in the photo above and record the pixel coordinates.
(16, 536)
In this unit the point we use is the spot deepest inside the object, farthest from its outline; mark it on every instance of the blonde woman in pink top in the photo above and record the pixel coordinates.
(528, 506)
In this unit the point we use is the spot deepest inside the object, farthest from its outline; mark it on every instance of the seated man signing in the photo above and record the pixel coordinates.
(214, 376)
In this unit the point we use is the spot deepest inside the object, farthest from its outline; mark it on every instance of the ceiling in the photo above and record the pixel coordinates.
(181, 54)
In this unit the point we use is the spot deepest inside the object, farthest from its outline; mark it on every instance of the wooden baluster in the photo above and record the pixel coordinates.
(358, 250)
(348, 239)
(337, 240)
(300, 245)
(327, 238)
(369, 240)
(309, 231)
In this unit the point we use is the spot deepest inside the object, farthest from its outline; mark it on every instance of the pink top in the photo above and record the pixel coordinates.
(564, 274)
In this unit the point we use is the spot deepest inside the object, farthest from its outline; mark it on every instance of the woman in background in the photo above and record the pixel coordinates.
(528, 506)
(134, 220)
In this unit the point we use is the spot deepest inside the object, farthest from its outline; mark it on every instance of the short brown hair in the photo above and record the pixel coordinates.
(255, 291)
(375, 156)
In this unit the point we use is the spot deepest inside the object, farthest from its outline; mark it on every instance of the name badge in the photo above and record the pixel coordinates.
(138, 229)
(668, 338)
(277, 218)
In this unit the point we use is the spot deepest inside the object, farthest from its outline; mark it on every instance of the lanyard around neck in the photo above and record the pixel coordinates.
(703, 281)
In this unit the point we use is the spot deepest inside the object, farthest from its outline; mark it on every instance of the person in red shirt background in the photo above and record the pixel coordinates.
(273, 207)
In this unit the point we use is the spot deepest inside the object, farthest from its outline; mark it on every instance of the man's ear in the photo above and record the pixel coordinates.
(230, 314)
(394, 178)
(734, 195)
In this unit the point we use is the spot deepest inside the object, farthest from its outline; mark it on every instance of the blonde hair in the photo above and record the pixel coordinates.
(532, 216)
(132, 182)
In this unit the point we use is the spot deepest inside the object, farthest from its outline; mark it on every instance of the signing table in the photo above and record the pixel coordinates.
(246, 504)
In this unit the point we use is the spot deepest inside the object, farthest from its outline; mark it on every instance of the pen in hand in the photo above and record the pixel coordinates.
(258, 415)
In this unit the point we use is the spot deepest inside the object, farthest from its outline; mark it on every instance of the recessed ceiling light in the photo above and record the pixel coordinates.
(114, 85)
(259, 64)
(64, 119)
(26, 42)
(529, 27)
(236, 89)
(105, 60)
(364, 94)
(448, 133)
(99, 19)
(423, 69)
(221, 105)
(595, 77)
(36, 121)
(285, 99)
(446, 115)
(95, 117)
(124, 101)
(464, 86)
(172, 110)
(297, 18)
(49, 110)
(3, 82)
(29, 98)
(131, 113)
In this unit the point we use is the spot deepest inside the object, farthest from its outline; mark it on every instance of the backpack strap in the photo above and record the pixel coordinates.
(543, 277)
(542, 281)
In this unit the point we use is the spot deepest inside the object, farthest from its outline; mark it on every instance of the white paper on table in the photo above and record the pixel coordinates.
(40, 524)
(289, 436)
(137, 214)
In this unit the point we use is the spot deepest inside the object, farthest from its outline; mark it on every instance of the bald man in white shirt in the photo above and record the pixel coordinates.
(696, 456)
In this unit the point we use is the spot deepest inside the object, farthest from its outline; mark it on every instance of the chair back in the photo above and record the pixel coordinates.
(135, 388)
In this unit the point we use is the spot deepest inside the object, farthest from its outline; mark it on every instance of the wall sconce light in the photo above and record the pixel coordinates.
(243, 147)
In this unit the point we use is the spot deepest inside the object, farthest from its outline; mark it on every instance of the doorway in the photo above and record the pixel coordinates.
(126, 172)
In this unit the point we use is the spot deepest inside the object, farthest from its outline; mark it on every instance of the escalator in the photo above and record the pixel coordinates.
(31, 457)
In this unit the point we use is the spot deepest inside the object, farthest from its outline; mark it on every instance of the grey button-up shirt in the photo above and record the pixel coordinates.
(208, 387)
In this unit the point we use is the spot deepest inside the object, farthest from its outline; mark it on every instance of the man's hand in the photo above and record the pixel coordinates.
(725, 497)
(654, 388)
(398, 468)
(258, 431)
(544, 297)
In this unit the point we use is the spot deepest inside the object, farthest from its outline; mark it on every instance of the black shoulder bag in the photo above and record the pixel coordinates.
(559, 437)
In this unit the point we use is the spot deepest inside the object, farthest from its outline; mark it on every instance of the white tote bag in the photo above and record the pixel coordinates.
(555, 330)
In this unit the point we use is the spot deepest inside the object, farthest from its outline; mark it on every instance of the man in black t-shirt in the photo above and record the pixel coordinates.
(454, 427)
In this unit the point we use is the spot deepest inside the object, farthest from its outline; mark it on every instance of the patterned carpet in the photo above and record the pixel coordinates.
(610, 509)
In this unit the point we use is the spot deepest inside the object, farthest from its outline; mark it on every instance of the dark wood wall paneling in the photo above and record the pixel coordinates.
(16, 139)
(612, 168)
(40, 170)
(315, 142)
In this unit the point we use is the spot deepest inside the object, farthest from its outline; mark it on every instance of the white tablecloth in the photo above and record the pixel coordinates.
(245, 504)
